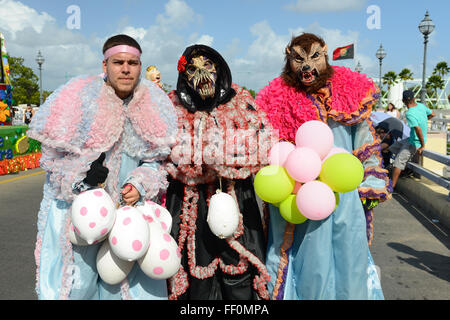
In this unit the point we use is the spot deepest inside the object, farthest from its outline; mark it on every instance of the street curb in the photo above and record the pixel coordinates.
(434, 204)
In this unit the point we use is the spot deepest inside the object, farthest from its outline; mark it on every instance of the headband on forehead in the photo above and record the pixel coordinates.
(121, 48)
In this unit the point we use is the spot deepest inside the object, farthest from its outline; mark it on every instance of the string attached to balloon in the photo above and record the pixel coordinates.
(304, 179)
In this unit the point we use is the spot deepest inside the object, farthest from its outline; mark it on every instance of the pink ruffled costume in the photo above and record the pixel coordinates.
(328, 259)
(77, 123)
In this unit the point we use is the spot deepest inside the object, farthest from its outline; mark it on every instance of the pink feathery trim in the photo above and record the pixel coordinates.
(37, 258)
(351, 87)
(67, 102)
(108, 123)
(158, 127)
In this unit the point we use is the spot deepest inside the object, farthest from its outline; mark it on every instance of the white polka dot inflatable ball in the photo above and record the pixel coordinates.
(153, 212)
(110, 267)
(76, 239)
(129, 237)
(93, 214)
(223, 215)
(163, 258)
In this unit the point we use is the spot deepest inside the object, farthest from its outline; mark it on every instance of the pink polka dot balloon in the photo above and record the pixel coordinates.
(110, 267)
(129, 237)
(93, 214)
(163, 257)
(154, 213)
(76, 239)
(316, 135)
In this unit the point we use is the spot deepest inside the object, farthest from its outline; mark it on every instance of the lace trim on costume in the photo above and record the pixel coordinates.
(179, 283)
(288, 239)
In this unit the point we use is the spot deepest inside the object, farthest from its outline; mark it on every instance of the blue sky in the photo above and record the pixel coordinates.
(250, 34)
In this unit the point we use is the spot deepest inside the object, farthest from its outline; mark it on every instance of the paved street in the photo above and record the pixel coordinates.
(411, 251)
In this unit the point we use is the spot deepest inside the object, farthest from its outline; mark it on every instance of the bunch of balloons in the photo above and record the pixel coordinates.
(304, 180)
(131, 234)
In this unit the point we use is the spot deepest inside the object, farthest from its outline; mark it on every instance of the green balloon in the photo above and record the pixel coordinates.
(342, 172)
(289, 210)
(273, 184)
(336, 195)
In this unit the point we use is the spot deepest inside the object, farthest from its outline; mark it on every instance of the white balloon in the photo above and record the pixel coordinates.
(163, 258)
(110, 268)
(93, 214)
(129, 237)
(153, 212)
(76, 239)
(223, 215)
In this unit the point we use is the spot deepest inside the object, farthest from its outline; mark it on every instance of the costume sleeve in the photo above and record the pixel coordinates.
(376, 183)
(149, 178)
(65, 170)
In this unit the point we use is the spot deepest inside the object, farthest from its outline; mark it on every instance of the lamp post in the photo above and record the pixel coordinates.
(426, 27)
(380, 55)
(40, 60)
(358, 67)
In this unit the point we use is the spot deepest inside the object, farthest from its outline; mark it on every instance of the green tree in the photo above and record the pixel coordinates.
(441, 69)
(406, 74)
(434, 83)
(251, 91)
(390, 78)
(24, 82)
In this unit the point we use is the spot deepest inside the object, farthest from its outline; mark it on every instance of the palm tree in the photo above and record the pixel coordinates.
(441, 69)
(406, 74)
(435, 82)
(390, 78)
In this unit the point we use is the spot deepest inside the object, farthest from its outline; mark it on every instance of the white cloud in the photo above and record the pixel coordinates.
(17, 17)
(309, 6)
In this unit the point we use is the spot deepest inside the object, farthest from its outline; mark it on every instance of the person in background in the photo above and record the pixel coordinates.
(386, 140)
(417, 117)
(391, 110)
(28, 114)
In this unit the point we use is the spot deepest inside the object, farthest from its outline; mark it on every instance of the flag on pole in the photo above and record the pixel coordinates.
(346, 52)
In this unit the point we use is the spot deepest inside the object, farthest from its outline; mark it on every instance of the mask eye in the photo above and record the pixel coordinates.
(299, 59)
(208, 64)
(315, 55)
(191, 69)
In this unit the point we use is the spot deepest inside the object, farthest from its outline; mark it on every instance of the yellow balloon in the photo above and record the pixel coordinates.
(342, 172)
(273, 184)
(336, 195)
(289, 210)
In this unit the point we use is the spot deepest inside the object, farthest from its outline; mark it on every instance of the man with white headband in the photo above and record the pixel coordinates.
(112, 131)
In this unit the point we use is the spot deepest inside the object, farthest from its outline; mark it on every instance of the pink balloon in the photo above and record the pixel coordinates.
(334, 150)
(279, 152)
(315, 135)
(303, 164)
(315, 200)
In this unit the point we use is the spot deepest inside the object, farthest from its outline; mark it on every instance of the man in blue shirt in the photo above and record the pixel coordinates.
(417, 117)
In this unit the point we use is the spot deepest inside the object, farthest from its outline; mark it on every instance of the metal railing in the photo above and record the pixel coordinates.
(440, 180)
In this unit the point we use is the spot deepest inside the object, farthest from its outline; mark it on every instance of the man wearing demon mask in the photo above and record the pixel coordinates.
(220, 132)
(327, 259)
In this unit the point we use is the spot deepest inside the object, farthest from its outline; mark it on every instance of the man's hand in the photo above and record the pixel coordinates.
(130, 195)
(420, 150)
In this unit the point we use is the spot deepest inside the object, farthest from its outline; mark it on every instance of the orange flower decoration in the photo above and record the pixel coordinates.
(4, 112)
